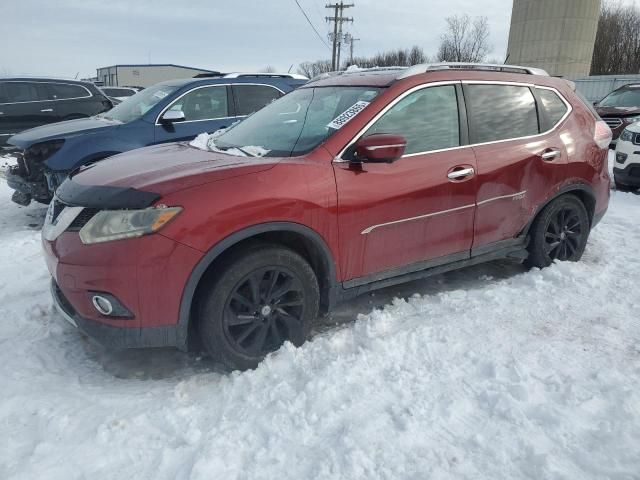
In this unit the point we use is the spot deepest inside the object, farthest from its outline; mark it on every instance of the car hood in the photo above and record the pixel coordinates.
(168, 168)
(61, 130)
(617, 111)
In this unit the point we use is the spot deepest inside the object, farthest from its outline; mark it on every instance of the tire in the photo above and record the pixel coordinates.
(559, 232)
(622, 187)
(261, 298)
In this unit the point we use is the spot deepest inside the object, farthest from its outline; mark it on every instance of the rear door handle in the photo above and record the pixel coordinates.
(460, 173)
(550, 154)
(47, 110)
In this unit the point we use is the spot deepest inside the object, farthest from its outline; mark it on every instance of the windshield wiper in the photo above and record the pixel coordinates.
(246, 152)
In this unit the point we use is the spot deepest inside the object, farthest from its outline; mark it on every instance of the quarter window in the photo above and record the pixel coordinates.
(500, 112)
(553, 106)
(60, 91)
(251, 98)
(203, 104)
(427, 118)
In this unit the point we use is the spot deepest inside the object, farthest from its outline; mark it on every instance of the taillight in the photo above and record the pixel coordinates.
(602, 135)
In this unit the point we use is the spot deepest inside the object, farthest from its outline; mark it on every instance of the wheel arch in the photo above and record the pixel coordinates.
(581, 190)
(300, 238)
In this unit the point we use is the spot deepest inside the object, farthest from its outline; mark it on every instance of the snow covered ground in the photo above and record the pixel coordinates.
(492, 372)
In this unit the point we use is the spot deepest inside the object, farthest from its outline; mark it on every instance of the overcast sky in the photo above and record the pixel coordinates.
(68, 37)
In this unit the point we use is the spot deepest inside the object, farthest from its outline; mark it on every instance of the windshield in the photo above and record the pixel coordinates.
(628, 97)
(299, 121)
(137, 105)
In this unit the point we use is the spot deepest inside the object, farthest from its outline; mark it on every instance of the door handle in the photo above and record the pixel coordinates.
(550, 154)
(47, 110)
(462, 173)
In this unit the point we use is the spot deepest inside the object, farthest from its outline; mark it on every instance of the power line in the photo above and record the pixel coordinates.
(311, 25)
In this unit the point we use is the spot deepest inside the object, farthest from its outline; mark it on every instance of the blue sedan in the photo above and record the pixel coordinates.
(170, 111)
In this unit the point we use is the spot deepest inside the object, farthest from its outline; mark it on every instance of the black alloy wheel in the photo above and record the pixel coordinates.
(564, 234)
(264, 309)
(559, 232)
(255, 300)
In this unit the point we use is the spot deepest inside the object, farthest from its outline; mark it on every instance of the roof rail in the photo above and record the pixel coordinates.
(355, 70)
(494, 67)
(208, 75)
(294, 76)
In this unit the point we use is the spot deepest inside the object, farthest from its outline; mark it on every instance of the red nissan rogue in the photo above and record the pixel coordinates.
(353, 182)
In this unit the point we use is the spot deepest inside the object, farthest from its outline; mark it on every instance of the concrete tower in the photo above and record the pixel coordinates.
(556, 35)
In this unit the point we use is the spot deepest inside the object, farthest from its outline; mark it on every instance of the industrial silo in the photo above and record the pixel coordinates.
(556, 35)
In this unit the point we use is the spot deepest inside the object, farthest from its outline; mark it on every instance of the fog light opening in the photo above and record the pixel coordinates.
(102, 304)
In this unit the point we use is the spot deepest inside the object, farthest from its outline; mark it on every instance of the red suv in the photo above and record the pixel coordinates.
(353, 182)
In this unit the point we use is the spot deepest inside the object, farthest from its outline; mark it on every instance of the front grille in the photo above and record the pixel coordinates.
(636, 139)
(613, 122)
(82, 219)
(634, 172)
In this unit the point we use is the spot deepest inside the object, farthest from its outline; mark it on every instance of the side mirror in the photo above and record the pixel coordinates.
(380, 148)
(595, 104)
(173, 116)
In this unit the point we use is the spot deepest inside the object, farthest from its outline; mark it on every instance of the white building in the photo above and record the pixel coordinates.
(144, 75)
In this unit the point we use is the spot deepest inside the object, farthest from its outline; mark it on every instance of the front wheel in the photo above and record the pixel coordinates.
(559, 232)
(260, 299)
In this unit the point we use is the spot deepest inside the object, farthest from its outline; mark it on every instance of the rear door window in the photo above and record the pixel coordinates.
(500, 112)
(553, 106)
(251, 98)
(62, 91)
(427, 118)
(20, 92)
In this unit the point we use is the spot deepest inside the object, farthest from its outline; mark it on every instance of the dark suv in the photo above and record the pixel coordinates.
(169, 111)
(30, 102)
(349, 183)
(620, 108)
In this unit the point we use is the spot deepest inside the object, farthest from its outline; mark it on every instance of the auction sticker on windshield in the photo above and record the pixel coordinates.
(347, 115)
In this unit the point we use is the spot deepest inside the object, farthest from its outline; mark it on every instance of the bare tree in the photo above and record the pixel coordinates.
(313, 69)
(392, 58)
(268, 69)
(617, 47)
(465, 40)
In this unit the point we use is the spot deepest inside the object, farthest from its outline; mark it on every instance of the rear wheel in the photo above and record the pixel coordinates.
(262, 298)
(559, 232)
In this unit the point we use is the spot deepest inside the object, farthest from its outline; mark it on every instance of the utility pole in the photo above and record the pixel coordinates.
(351, 42)
(338, 19)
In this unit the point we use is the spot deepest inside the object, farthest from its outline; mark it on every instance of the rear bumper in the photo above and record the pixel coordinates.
(110, 336)
(630, 175)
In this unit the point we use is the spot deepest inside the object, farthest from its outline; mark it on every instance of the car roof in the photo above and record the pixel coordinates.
(43, 79)
(226, 81)
(386, 76)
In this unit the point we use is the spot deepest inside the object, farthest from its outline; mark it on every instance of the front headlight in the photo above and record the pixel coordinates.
(626, 136)
(632, 119)
(108, 225)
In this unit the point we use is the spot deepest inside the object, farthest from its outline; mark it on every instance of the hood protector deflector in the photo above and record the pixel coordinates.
(104, 196)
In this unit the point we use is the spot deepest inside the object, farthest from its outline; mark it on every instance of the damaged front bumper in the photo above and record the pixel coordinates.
(31, 181)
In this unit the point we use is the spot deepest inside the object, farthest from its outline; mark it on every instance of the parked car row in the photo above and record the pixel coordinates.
(349, 183)
(166, 112)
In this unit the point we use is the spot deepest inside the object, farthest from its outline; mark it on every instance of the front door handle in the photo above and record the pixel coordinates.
(460, 173)
(550, 154)
(47, 110)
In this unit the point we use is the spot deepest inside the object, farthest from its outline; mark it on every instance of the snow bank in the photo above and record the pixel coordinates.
(487, 373)
(206, 141)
